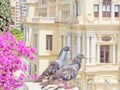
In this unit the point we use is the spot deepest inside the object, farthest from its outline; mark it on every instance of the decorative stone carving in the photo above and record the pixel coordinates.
(106, 38)
(90, 17)
(80, 19)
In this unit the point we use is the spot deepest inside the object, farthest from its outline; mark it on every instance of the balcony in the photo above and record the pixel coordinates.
(52, 3)
(102, 67)
(108, 21)
(32, 1)
(43, 20)
(62, 2)
(103, 21)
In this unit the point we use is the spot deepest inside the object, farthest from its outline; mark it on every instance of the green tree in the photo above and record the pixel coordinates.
(5, 15)
(18, 34)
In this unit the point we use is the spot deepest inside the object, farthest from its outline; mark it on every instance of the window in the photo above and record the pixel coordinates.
(106, 8)
(117, 8)
(49, 42)
(96, 10)
(104, 54)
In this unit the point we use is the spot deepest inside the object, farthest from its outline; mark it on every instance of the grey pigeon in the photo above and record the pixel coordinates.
(56, 65)
(67, 72)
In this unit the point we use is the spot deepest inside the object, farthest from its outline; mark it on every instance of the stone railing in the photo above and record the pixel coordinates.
(32, 1)
(65, 2)
(102, 67)
(43, 20)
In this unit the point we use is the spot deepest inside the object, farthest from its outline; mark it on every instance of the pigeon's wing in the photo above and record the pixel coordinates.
(51, 69)
(66, 73)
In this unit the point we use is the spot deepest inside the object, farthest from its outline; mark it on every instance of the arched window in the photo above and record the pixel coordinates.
(106, 8)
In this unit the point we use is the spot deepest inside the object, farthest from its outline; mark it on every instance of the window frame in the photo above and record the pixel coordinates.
(96, 10)
(116, 12)
(106, 12)
(49, 42)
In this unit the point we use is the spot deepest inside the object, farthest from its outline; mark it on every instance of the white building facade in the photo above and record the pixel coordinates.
(88, 27)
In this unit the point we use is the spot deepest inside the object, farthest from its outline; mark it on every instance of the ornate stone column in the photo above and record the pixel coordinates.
(56, 8)
(64, 40)
(114, 54)
(87, 48)
(98, 53)
(92, 49)
(69, 40)
(100, 11)
(48, 8)
(71, 11)
(78, 44)
(112, 11)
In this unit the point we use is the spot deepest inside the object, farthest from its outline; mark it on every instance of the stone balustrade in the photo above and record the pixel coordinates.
(43, 20)
(65, 2)
(102, 67)
(32, 1)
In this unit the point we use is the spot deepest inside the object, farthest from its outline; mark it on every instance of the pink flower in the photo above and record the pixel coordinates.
(11, 52)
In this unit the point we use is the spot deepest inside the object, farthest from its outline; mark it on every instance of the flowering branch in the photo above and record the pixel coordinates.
(11, 52)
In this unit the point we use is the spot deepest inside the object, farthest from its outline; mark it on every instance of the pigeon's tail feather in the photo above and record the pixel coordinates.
(41, 78)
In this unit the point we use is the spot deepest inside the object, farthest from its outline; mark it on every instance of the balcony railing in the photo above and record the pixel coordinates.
(65, 2)
(32, 1)
(43, 20)
(102, 67)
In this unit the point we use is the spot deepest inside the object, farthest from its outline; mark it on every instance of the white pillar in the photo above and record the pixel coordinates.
(98, 53)
(69, 40)
(48, 9)
(69, 36)
(56, 8)
(112, 10)
(100, 11)
(78, 44)
(87, 48)
(64, 40)
(71, 10)
(92, 49)
(114, 54)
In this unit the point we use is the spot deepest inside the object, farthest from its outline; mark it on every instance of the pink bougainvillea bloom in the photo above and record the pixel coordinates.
(11, 52)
